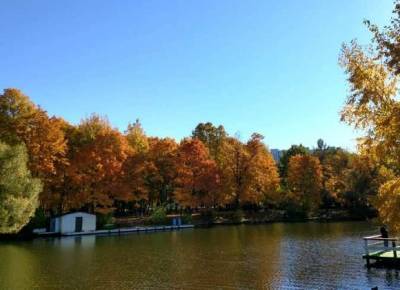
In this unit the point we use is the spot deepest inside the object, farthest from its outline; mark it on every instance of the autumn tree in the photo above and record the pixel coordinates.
(287, 154)
(348, 179)
(362, 180)
(351, 181)
(135, 168)
(135, 173)
(57, 185)
(15, 109)
(23, 121)
(373, 106)
(305, 181)
(197, 182)
(160, 170)
(249, 173)
(96, 164)
(19, 191)
(233, 170)
(263, 177)
(335, 163)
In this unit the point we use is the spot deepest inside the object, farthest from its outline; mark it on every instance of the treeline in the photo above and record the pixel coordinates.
(96, 168)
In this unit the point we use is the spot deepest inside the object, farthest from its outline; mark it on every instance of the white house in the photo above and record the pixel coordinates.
(73, 222)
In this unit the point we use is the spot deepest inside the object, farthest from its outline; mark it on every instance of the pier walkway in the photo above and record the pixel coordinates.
(381, 251)
(120, 231)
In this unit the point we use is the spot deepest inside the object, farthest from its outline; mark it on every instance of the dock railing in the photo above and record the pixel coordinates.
(377, 245)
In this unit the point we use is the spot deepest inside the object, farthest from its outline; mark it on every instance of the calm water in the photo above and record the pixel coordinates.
(275, 256)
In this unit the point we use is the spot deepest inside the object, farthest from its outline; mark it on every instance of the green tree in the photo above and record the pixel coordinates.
(137, 138)
(18, 190)
(213, 137)
(321, 144)
(21, 121)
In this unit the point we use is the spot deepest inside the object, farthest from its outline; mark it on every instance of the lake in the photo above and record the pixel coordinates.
(271, 256)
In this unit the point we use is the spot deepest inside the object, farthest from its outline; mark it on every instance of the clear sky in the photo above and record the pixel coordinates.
(254, 66)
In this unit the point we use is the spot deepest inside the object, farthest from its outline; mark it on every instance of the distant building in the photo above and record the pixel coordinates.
(277, 154)
(73, 222)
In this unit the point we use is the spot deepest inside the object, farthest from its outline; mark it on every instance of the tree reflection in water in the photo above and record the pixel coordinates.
(303, 255)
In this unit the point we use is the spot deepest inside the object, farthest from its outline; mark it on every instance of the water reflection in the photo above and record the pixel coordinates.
(286, 256)
(17, 267)
(82, 242)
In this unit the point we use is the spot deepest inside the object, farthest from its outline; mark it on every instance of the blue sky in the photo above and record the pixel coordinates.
(254, 66)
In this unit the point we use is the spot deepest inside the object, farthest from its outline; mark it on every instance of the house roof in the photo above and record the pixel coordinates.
(74, 213)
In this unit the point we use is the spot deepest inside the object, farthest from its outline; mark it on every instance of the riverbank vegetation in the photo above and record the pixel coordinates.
(96, 168)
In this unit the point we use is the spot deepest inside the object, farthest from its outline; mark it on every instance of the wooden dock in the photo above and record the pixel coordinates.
(120, 231)
(381, 251)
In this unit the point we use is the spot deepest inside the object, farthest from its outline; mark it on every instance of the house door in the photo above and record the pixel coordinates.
(78, 224)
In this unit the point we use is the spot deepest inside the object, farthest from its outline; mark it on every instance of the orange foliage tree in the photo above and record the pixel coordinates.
(149, 175)
(96, 166)
(197, 182)
(161, 170)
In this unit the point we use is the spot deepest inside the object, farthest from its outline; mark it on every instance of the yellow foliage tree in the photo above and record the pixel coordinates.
(305, 181)
(373, 106)
(248, 172)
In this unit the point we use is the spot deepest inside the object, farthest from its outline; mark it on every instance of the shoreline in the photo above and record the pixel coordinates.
(221, 218)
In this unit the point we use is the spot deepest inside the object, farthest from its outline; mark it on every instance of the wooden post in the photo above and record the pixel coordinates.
(366, 252)
(366, 247)
(394, 249)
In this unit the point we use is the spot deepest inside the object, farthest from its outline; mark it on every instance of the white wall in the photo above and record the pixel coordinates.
(68, 222)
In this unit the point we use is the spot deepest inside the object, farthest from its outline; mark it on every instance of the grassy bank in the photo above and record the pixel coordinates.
(210, 217)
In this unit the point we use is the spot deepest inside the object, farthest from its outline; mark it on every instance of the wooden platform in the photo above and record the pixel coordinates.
(381, 251)
(121, 231)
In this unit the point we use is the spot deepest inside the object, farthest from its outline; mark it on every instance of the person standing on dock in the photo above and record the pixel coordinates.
(385, 235)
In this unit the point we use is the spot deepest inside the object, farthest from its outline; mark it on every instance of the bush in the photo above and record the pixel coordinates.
(159, 216)
(295, 212)
(104, 219)
(39, 220)
(237, 216)
(187, 218)
(207, 216)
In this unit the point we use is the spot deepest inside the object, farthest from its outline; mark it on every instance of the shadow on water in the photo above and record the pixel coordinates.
(288, 256)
